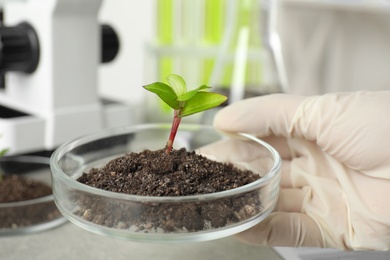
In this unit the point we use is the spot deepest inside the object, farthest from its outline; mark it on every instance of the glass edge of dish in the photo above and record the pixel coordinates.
(60, 151)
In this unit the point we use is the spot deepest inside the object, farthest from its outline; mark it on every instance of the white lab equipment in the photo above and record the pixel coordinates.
(50, 53)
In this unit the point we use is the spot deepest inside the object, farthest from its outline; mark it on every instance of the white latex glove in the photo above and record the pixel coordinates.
(335, 186)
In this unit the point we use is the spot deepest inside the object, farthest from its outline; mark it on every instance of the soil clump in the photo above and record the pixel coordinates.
(15, 188)
(179, 173)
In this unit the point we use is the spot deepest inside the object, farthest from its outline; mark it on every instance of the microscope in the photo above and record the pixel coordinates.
(50, 51)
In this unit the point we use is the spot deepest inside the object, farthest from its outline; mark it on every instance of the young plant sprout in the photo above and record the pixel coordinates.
(2, 153)
(183, 102)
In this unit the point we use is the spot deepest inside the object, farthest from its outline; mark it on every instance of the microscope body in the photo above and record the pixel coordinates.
(59, 100)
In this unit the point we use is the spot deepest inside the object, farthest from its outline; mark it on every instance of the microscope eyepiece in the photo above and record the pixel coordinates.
(19, 48)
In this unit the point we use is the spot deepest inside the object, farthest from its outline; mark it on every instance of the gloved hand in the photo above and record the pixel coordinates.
(335, 184)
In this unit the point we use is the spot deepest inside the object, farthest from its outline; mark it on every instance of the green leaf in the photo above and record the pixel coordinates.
(165, 92)
(178, 84)
(192, 93)
(202, 101)
(3, 152)
(203, 88)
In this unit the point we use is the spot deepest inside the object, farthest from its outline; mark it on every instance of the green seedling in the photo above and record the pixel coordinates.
(2, 153)
(183, 102)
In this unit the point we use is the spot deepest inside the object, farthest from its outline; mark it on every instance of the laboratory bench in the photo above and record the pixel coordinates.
(70, 242)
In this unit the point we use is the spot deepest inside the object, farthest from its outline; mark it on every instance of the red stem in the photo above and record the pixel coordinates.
(175, 126)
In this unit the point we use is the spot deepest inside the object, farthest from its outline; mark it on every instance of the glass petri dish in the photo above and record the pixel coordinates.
(118, 215)
(28, 216)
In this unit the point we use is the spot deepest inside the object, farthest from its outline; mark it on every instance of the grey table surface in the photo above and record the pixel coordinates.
(69, 241)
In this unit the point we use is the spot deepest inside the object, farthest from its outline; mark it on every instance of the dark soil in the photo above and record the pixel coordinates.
(15, 188)
(180, 173)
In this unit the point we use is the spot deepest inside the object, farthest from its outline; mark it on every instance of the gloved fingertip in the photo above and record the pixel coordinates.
(284, 229)
(263, 116)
